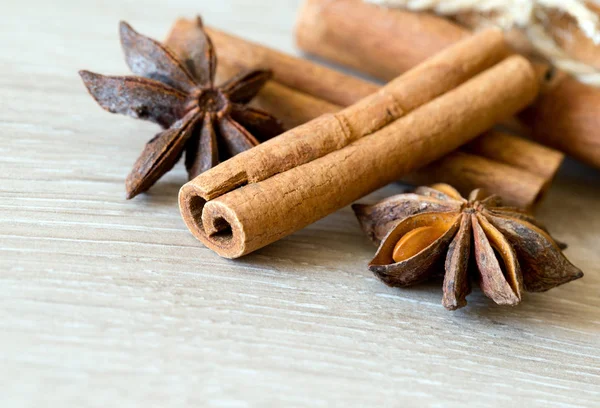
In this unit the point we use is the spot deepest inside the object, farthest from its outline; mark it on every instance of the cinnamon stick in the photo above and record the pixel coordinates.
(292, 107)
(566, 117)
(388, 42)
(517, 152)
(519, 170)
(310, 171)
(420, 85)
(296, 73)
(467, 171)
(345, 31)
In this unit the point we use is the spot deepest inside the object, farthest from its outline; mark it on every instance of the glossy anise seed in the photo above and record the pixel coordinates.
(175, 88)
(415, 241)
(419, 232)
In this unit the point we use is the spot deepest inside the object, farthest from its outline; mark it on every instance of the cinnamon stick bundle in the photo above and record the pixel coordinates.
(280, 186)
(384, 43)
(517, 169)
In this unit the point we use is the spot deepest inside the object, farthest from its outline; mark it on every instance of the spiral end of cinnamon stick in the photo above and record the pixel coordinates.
(213, 223)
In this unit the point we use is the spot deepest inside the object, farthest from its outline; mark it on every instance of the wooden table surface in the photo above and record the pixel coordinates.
(108, 302)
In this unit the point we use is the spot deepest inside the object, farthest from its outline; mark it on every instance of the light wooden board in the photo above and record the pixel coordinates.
(107, 302)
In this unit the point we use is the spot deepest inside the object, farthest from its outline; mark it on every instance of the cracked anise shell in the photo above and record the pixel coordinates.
(434, 229)
(175, 89)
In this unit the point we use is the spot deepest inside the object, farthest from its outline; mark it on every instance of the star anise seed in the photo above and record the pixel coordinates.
(434, 229)
(175, 88)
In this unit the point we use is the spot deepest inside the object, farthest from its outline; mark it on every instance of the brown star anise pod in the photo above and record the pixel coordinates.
(177, 91)
(435, 228)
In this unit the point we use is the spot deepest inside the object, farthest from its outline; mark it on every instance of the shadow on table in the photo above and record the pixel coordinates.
(163, 193)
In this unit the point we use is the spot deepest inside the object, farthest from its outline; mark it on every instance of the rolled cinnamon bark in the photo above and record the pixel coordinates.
(390, 41)
(346, 31)
(519, 170)
(294, 72)
(333, 160)
(292, 107)
(468, 171)
(566, 117)
(326, 84)
(518, 153)
(423, 83)
(237, 54)
(516, 169)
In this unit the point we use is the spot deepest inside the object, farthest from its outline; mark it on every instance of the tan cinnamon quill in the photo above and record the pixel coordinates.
(407, 92)
(299, 177)
(388, 42)
(517, 169)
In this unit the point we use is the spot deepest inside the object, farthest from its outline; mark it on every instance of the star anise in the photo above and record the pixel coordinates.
(175, 88)
(435, 228)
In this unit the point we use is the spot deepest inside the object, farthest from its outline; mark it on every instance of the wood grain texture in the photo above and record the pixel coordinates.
(107, 302)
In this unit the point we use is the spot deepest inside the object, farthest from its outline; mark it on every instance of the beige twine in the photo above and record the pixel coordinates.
(526, 16)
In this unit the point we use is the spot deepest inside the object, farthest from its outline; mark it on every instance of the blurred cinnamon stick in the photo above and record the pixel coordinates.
(384, 43)
(517, 169)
